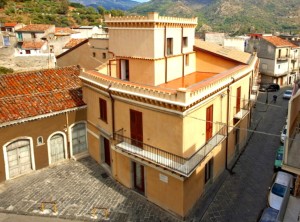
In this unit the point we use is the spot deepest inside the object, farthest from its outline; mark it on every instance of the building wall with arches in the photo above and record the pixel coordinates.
(39, 132)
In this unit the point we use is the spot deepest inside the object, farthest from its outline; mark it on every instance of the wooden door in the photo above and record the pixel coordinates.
(57, 148)
(106, 151)
(136, 128)
(238, 100)
(139, 179)
(209, 122)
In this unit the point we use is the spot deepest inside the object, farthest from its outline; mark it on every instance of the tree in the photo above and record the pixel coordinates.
(64, 7)
(3, 3)
(101, 10)
(4, 70)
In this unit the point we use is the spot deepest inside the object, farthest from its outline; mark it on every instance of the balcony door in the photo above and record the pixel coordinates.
(124, 68)
(209, 122)
(136, 128)
(238, 100)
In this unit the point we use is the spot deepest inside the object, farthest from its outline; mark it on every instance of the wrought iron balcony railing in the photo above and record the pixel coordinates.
(162, 158)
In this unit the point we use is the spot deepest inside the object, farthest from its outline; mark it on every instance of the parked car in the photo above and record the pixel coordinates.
(270, 87)
(280, 190)
(278, 158)
(269, 215)
(283, 134)
(287, 94)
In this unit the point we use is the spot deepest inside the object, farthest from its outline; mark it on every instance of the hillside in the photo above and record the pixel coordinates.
(233, 16)
(58, 12)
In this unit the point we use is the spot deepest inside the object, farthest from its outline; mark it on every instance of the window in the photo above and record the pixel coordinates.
(103, 55)
(279, 53)
(208, 170)
(33, 35)
(40, 140)
(278, 66)
(187, 60)
(184, 41)
(103, 109)
(94, 54)
(169, 46)
(27, 51)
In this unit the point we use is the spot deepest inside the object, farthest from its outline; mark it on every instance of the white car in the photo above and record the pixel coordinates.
(280, 189)
(287, 94)
(283, 134)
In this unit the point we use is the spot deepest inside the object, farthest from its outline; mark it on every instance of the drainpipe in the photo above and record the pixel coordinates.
(182, 52)
(165, 54)
(112, 110)
(227, 123)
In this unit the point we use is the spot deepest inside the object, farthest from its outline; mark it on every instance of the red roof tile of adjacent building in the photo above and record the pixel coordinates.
(278, 42)
(32, 45)
(34, 28)
(73, 42)
(31, 94)
(10, 24)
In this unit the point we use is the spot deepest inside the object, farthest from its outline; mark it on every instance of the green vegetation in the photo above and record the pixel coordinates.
(58, 12)
(4, 70)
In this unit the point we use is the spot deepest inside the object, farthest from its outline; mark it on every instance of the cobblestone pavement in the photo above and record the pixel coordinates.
(243, 194)
(77, 187)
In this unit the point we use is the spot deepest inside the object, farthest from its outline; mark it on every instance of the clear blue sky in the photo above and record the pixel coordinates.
(142, 0)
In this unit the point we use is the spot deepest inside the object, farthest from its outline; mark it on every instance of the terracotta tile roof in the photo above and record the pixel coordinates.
(32, 45)
(277, 41)
(35, 93)
(10, 24)
(73, 42)
(34, 28)
(229, 53)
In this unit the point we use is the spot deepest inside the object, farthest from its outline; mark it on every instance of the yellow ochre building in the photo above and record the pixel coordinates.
(165, 115)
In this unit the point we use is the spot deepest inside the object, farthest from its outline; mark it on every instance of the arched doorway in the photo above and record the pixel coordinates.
(57, 148)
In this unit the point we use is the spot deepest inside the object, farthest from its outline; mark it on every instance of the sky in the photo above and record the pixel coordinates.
(142, 0)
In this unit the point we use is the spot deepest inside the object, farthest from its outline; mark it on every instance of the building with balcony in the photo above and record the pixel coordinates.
(42, 120)
(167, 114)
(291, 157)
(277, 58)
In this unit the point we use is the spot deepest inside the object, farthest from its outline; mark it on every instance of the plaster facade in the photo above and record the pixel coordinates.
(186, 113)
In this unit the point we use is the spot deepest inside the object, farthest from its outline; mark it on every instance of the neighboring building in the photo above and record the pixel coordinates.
(275, 55)
(34, 32)
(87, 53)
(291, 158)
(42, 120)
(165, 114)
(90, 32)
(31, 48)
(221, 39)
(11, 26)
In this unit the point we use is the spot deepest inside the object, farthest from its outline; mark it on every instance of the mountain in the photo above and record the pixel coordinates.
(109, 4)
(232, 16)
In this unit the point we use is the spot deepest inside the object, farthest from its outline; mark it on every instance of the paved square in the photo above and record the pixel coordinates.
(77, 187)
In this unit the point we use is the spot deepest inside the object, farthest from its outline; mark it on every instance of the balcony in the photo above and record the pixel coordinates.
(243, 111)
(174, 163)
(282, 58)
